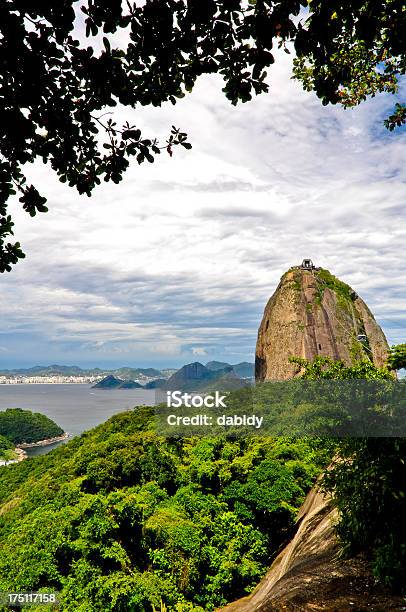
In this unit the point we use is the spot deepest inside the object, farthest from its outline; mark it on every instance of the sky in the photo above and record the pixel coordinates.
(176, 263)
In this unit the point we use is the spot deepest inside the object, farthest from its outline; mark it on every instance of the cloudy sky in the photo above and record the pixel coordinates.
(176, 263)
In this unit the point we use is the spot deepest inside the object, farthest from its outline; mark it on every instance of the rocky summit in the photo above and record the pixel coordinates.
(312, 313)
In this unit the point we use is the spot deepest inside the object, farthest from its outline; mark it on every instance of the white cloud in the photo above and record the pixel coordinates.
(199, 351)
(186, 252)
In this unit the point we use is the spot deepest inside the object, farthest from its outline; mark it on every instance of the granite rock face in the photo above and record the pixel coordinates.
(309, 574)
(312, 313)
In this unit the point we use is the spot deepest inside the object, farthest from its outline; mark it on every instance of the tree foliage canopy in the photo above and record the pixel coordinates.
(5, 445)
(349, 51)
(25, 426)
(397, 357)
(55, 86)
(368, 482)
(121, 519)
(327, 368)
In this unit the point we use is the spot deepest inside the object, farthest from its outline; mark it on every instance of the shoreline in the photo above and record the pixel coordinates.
(22, 454)
(45, 442)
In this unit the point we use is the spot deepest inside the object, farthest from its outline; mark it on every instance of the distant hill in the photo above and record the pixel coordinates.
(243, 369)
(197, 377)
(20, 426)
(155, 384)
(217, 365)
(51, 370)
(111, 382)
(130, 384)
(227, 380)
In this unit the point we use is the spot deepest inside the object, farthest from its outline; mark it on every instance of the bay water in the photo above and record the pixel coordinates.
(74, 407)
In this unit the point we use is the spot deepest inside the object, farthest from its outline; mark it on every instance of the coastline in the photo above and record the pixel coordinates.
(45, 442)
(21, 454)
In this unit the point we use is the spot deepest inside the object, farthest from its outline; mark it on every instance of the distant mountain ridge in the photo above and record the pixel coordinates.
(217, 365)
(62, 370)
(195, 377)
(155, 384)
(192, 377)
(49, 371)
(244, 369)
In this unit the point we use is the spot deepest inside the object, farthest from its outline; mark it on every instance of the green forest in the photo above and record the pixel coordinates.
(123, 519)
(120, 519)
(6, 448)
(20, 426)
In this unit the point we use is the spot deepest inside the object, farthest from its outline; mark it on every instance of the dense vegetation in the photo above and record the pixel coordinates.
(5, 445)
(120, 519)
(335, 284)
(330, 369)
(25, 426)
(397, 357)
(369, 489)
(368, 483)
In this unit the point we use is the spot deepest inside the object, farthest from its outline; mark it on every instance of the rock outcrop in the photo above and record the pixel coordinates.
(310, 575)
(312, 313)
